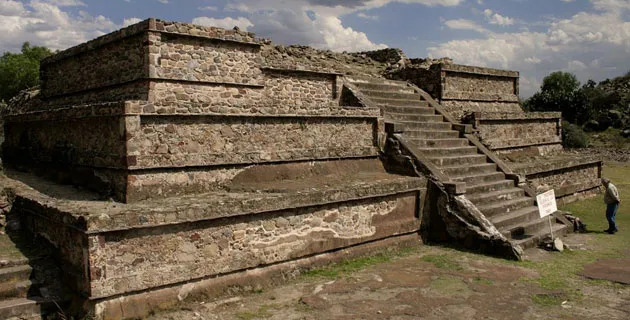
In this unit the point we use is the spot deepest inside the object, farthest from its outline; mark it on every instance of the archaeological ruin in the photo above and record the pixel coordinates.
(166, 160)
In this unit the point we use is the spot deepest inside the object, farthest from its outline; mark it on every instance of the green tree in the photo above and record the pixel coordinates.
(560, 91)
(19, 71)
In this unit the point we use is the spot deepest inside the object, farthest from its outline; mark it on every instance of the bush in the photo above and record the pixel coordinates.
(573, 136)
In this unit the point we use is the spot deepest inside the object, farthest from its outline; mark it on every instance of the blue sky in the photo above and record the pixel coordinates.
(590, 38)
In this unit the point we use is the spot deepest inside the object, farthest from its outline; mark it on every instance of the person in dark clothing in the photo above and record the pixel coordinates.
(612, 200)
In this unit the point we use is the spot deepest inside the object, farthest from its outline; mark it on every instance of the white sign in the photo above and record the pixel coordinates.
(546, 203)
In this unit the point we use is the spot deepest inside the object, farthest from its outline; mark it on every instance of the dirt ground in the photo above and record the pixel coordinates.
(427, 283)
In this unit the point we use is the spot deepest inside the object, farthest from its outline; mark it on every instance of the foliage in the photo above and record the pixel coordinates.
(560, 91)
(573, 136)
(19, 71)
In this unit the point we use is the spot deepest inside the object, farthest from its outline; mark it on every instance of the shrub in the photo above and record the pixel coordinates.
(573, 136)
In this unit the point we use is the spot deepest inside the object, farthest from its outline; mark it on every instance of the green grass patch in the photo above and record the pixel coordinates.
(549, 300)
(609, 138)
(346, 267)
(442, 261)
(481, 280)
(262, 313)
(560, 271)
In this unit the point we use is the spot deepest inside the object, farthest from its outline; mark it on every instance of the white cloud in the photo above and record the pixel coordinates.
(464, 24)
(593, 45)
(130, 21)
(226, 23)
(162, 1)
(366, 16)
(208, 8)
(11, 8)
(335, 35)
(495, 18)
(66, 3)
(611, 5)
(45, 23)
(317, 22)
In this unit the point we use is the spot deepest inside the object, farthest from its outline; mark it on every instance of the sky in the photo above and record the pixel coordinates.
(589, 38)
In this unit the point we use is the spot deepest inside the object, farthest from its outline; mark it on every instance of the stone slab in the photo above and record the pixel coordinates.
(84, 213)
(616, 270)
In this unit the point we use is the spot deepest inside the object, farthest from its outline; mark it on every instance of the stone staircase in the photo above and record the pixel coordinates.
(30, 286)
(508, 207)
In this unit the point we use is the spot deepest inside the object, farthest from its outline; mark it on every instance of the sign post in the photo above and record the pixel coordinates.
(546, 206)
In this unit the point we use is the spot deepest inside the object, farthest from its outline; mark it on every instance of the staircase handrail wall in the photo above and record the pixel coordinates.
(466, 131)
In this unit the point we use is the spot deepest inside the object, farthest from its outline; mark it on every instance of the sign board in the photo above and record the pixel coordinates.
(546, 203)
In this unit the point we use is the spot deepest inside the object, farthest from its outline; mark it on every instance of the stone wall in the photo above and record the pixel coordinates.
(464, 89)
(572, 177)
(178, 57)
(91, 141)
(507, 131)
(207, 141)
(126, 261)
(126, 60)
(426, 78)
(460, 108)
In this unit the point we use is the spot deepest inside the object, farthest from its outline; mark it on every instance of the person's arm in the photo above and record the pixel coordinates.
(612, 191)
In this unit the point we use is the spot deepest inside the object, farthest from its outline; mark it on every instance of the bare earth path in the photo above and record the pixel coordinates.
(428, 283)
(431, 282)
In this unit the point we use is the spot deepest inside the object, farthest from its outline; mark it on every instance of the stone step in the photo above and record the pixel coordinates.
(418, 125)
(378, 86)
(400, 102)
(431, 134)
(412, 110)
(496, 195)
(439, 143)
(480, 178)
(483, 187)
(529, 240)
(449, 152)
(469, 169)
(459, 160)
(10, 290)
(24, 308)
(506, 206)
(417, 120)
(391, 94)
(15, 274)
(516, 217)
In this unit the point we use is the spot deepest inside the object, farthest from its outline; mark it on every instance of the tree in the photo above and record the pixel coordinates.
(19, 71)
(560, 91)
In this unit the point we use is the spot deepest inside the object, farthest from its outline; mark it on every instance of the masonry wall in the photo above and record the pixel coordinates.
(126, 261)
(505, 131)
(464, 89)
(114, 63)
(90, 141)
(178, 142)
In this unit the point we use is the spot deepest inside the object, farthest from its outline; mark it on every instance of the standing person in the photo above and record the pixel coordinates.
(611, 198)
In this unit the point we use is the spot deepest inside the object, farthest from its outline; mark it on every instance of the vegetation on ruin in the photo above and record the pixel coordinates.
(20, 71)
(590, 107)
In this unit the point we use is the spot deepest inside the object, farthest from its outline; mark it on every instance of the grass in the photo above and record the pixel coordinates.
(346, 267)
(262, 313)
(442, 261)
(561, 270)
(609, 138)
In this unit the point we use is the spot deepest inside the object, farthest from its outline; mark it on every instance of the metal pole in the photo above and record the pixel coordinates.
(550, 228)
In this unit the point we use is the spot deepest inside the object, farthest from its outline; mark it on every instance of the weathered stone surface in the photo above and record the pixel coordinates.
(233, 230)
(88, 70)
(177, 142)
(459, 109)
(572, 177)
(128, 260)
(94, 141)
(196, 59)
